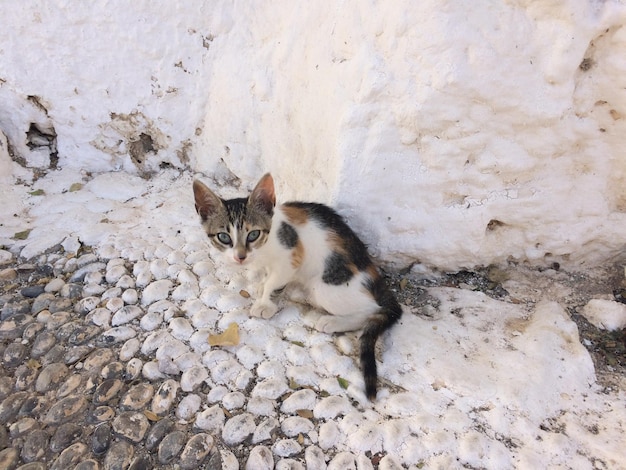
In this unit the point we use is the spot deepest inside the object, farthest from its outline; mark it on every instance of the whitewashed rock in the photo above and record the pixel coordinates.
(187, 360)
(260, 458)
(314, 458)
(270, 388)
(111, 293)
(294, 425)
(86, 305)
(261, 406)
(212, 420)
(217, 394)
(249, 356)
(88, 290)
(95, 277)
(266, 430)
(193, 377)
(196, 450)
(176, 257)
(130, 296)
(229, 302)
(125, 282)
(114, 304)
(134, 368)
(331, 407)
(118, 334)
(286, 447)
(203, 268)
(238, 428)
(186, 276)
(343, 461)
(199, 340)
(167, 354)
(181, 328)
(129, 349)
(157, 290)
(165, 397)
(289, 464)
(243, 379)
(205, 318)
(126, 315)
(100, 317)
(158, 268)
(304, 399)
(605, 314)
(224, 371)
(188, 407)
(115, 273)
(185, 291)
(154, 341)
(233, 400)
(151, 371)
(329, 435)
(151, 321)
(270, 369)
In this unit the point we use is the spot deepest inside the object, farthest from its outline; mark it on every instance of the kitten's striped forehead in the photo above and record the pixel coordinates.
(236, 210)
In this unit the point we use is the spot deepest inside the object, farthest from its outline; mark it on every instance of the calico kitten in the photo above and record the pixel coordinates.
(308, 244)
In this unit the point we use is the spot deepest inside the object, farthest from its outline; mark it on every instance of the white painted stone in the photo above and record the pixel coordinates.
(261, 406)
(151, 321)
(233, 400)
(212, 420)
(129, 349)
(188, 407)
(157, 290)
(193, 377)
(260, 458)
(130, 296)
(304, 399)
(181, 328)
(238, 428)
(605, 314)
(158, 268)
(126, 314)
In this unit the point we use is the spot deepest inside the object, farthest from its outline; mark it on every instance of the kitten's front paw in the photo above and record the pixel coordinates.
(263, 310)
(327, 324)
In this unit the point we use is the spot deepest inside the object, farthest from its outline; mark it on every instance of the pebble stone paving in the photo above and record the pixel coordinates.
(105, 364)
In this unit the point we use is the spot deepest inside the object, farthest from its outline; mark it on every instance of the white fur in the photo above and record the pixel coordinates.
(349, 305)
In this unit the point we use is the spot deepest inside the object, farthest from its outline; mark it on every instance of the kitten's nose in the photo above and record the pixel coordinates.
(240, 258)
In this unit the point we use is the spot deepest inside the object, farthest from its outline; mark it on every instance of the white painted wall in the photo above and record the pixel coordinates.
(452, 133)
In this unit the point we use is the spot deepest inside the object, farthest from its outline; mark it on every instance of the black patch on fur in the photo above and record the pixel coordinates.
(287, 235)
(329, 219)
(336, 270)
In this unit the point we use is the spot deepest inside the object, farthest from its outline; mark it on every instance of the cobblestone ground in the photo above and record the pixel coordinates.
(90, 379)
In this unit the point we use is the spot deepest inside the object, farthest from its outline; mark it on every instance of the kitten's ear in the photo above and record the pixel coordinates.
(207, 203)
(263, 195)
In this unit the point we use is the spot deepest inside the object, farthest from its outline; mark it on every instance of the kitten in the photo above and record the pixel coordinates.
(310, 245)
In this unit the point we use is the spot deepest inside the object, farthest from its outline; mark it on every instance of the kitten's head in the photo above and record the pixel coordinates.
(237, 227)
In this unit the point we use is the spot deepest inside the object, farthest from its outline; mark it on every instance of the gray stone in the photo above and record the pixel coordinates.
(89, 464)
(116, 335)
(13, 327)
(50, 377)
(59, 305)
(196, 450)
(131, 425)
(137, 397)
(98, 359)
(43, 343)
(23, 426)
(101, 414)
(9, 458)
(70, 457)
(32, 330)
(158, 432)
(55, 354)
(114, 370)
(119, 456)
(75, 354)
(15, 307)
(6, 386)
(10, 406)
(65, 435)
(71, 384)
(32, 466)
(133, 369)
(35, 445)
(25, 376)
(42, 302)
(66, 409)
(142, 462)
(33, 406)
(171, 445)
(32, 291)
(107, 390)
(14, 355)
(101, 439)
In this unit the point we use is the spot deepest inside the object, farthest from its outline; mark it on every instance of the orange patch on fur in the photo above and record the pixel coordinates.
(373, 272)
(295, 215)
(297, 255)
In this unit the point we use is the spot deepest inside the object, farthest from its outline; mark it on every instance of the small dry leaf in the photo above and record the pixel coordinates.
(33, 364)
(343, 383)
(230, 337)
(308, 414)
(151, 416)
(23, 235)
(403, 283)
(37, 192)
(244, 293)
(300, 439)
(298, 343)
(293, 385)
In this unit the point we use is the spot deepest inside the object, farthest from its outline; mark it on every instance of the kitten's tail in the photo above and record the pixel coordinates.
(389, 313)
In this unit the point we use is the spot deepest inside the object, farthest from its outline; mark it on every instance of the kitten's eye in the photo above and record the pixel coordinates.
(253, 236)
(224, 238)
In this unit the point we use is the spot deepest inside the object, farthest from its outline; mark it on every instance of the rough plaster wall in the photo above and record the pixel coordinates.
(449, 133)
